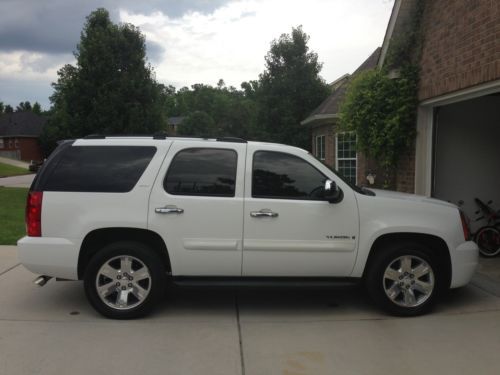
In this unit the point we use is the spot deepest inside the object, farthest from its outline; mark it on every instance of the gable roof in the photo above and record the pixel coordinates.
(21, 124)
(329, 108)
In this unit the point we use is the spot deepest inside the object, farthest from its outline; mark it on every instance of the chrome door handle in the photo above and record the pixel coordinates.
(263, 213)
(169, 210)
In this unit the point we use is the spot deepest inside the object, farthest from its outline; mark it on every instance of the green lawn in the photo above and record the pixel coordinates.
(12, 206)
(7, 170)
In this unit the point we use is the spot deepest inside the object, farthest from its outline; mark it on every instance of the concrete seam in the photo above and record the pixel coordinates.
(240, 337)
(9, 269)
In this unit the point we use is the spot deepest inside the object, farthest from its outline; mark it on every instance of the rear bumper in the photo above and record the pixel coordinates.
(464, 260)
(56, 257)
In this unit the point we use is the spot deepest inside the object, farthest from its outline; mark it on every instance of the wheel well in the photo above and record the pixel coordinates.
(437, 244)
(97, 239)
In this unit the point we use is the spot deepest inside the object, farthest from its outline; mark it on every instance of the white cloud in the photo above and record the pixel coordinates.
(231, 42)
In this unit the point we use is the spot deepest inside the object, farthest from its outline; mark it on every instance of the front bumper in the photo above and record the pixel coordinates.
(56, 257)
(464, 260)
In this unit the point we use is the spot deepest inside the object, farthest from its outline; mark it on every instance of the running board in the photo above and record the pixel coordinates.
(277, 282)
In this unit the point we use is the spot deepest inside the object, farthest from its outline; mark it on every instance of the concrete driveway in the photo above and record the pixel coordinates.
(52, 330)
(17, 181)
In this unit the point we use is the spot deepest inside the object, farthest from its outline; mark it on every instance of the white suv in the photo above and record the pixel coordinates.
(126, 214)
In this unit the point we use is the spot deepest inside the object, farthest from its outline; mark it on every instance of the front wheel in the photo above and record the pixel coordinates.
(488, 241)
(124, 280)
(403, 279)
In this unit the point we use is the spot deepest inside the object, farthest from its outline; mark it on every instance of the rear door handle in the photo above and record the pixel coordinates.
(265, 212)
(169, 210)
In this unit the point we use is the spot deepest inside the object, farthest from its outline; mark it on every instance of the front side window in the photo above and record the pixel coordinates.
(320, 147)
(346, 160)
(202, 172)
(284, 176)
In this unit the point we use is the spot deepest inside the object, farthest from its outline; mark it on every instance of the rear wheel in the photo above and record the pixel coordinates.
(403, 279)
(488, 241)
(124, 280)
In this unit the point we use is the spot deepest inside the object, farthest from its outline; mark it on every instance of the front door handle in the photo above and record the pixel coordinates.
(169, 210)
(265, 212)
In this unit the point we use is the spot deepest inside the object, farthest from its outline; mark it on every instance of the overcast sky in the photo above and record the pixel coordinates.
(188, 41)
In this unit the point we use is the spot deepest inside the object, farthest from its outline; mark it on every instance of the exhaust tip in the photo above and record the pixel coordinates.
(42, 280)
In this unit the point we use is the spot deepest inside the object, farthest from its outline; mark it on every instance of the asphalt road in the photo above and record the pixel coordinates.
(52, 330)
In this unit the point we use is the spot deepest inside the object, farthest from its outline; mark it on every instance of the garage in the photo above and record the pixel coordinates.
(466, 153)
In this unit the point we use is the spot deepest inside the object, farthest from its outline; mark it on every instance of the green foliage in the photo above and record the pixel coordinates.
(288, 90)
(8, 109)
(220, 111)
(37, 108)
(23, 106)
(111, 89)
(382, 112)
(13, 202)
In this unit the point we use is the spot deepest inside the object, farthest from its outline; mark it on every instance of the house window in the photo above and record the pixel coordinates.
(10, 143)
(346, 160)
(16, 143)
(1, 143)
(320, 147)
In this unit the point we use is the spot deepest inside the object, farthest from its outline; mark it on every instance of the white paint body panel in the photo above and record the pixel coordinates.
(216, 236)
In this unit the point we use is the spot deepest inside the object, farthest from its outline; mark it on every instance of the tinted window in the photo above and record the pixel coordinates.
(113, 169)
(284, 176)
(202, 171)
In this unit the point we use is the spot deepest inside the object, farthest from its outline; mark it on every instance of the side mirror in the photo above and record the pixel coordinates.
(332, 192)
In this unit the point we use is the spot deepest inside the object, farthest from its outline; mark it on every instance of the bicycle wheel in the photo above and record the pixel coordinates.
(488, 240)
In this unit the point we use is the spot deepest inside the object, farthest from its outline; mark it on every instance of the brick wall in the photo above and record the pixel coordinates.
(26, 148)
(461, 45)
(405, 176)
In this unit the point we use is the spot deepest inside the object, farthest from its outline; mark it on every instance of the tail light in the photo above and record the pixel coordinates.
(34, 214)
(465, 225)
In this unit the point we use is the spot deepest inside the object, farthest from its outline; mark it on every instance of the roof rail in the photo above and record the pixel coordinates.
(102, 136)
(231, 139)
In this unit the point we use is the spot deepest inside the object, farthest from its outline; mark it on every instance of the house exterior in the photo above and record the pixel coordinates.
(456, 152)
(173, 125)
(19, 133)
(337, 149)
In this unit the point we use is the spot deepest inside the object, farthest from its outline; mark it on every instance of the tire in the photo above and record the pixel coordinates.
(404, 279)
(131, 279)
(488, 241)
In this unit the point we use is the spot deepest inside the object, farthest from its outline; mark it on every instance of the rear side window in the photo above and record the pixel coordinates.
(108, 169)
(202, 172)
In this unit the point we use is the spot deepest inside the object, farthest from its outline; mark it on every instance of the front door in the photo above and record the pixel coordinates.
(196, 205)
(289, 229)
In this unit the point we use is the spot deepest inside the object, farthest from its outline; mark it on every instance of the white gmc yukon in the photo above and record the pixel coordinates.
(127, 214)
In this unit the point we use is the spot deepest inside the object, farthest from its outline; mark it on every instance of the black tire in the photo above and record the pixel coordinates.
(377, 284)
(488, 241)
(144, 263)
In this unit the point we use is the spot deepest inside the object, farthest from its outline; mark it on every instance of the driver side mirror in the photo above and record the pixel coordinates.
(332, 192)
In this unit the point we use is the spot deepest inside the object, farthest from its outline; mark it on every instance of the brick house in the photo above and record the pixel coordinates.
(334, 148)
(19, 133)
(457, 149)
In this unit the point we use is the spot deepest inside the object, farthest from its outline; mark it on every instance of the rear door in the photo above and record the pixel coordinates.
(196, 205)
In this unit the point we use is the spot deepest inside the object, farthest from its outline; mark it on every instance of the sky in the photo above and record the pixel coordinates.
(188, 41)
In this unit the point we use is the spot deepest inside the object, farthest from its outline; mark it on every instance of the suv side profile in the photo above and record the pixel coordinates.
(127, 214)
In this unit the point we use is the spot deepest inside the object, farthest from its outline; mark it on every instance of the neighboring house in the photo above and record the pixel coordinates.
(19, 133)
(173, 124)
(337, 149)
(457, 147)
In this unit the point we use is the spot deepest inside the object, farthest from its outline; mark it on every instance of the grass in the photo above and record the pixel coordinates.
(12, 206)
(7, 170)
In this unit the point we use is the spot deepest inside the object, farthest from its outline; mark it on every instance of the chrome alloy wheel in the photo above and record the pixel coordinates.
(123, 282)
(408, 281)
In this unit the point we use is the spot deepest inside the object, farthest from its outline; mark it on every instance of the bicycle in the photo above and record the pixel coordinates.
(488, 236)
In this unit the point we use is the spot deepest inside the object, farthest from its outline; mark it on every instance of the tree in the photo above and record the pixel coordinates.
(289, 89)
(111, 90)
(37, 108)
(8, 109)
(23, 106)
(199, 124)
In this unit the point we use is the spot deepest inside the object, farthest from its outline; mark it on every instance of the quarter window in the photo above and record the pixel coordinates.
(107, 169)
(284, 176)
(202, 172)
(320, 147)
(346, 160)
